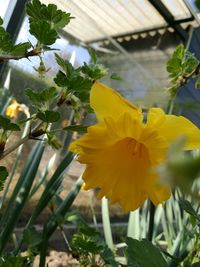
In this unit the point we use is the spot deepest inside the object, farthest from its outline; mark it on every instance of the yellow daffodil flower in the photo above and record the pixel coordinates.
(122, 153)
(13, 109)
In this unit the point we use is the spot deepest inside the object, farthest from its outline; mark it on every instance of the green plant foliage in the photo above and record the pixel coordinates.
(43, 32)
(3, 176)
(8, 48)
(7, 125)
(76, 128)
(88, 241)
(143, 254)
(92, 55)
(47, 95)
(13, 262)
(181, 66)
(32, 239)
(186, 205)
(53, 141)
(72, 80)
(45, 21)
(184, 168)
(55, 17)
(94, 71)
(48, 116)
(115, 76)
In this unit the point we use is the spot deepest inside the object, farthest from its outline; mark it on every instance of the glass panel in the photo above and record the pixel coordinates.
(3, 7)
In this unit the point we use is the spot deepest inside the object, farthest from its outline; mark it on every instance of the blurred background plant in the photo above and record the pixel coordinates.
(155, 236)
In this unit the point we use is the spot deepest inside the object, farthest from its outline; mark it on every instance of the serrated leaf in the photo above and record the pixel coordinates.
(61, 79)
(3, 176)
(43, 32)
(8, 48)
(20, 49)
(94, 71)
(143, 254)
(7, 125)
(48, 116)
(34, 97)
(179, 52)
(76, 128)
(47, 95)
(55, 17)
(65, 65)
(33, 9)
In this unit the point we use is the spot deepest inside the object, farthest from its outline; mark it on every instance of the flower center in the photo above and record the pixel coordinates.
(134, 152)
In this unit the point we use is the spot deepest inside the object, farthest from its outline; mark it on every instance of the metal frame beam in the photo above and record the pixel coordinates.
(169, 18)
(176, 22)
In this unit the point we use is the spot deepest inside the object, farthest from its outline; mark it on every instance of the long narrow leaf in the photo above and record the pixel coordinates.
(52, 186)
(36, 151)
(20, 201)
(106, 223)
(53, 223)
(134, 224)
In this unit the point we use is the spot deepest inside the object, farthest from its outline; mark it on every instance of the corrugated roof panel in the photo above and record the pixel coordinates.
(95, 20)
(177, 8)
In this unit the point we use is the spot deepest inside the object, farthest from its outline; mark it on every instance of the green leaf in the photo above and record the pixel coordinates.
(93, 55)
(1, 21)
(8, 48)
(48, 116)
(143, 254)
(48, 94)
(190, 63)
(174, 64)
(7, 125)
(20, 49)
(94, 71)
(53, 141)
(88, 240)
(115, 76)
(186, 205)
(3, 176)
(67, 66)
(33, 9)
(34, 97)
(45, 96)
(32, 238)
(76, 128)
(13, 262)
(43, 32)
(55, 17)
(61, 79)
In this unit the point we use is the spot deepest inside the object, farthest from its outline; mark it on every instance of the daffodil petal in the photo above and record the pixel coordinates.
(159, 193)
(155, 116)
(173, 127)
(108, 103)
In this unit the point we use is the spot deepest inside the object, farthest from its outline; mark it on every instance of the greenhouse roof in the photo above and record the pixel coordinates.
(99, 19)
